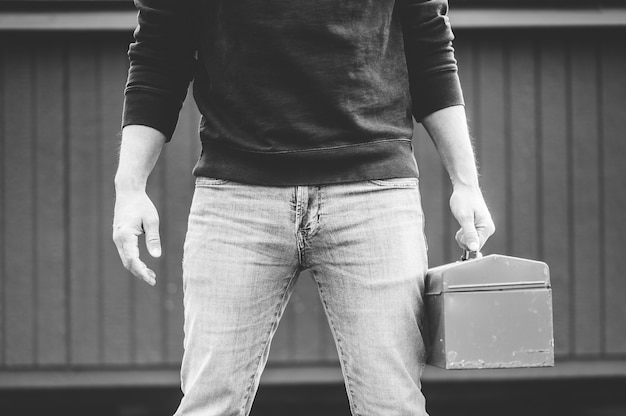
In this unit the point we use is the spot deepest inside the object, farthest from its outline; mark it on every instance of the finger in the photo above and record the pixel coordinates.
(139, 269)
(469, 236)
(124, 240)
(461, 241)
(153, 240)
(485, 230)
(130, 248)
(459, 238)
(130, 252)
(119, 236)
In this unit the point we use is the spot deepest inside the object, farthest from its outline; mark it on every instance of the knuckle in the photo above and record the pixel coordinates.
(118, 239)
(126, 264)
(132, 265)
(137, 267)
(466, 215)
(465, 223)
(120, 232)
(151, 220)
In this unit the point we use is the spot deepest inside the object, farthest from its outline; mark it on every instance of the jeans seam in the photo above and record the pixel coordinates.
(320, 206)
(274, 324)
(337, 336)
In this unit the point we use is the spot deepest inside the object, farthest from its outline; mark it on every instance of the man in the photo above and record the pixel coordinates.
(307, 163)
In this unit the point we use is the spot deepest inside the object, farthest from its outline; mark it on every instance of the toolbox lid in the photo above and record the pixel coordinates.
(492, 272)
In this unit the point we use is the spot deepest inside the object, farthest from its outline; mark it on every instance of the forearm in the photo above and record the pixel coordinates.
(448, 130)
(139, 152)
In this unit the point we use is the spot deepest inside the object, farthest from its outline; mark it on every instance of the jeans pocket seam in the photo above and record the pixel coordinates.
(396, 182)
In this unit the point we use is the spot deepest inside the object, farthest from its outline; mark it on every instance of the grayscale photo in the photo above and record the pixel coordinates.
(312, 207)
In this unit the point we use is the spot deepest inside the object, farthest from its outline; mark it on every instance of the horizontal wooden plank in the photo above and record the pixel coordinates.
(319, 374)
(503, 3)
(461, 18)
(495, 18)
(89, 20)
(87, 1)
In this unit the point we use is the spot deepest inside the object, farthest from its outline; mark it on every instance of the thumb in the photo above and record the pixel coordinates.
(153, 240)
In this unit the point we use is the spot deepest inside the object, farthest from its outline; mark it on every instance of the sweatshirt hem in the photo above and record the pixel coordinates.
(306, 150)
(363, 161)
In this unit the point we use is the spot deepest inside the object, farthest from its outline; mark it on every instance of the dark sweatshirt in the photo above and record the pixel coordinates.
(294, 92)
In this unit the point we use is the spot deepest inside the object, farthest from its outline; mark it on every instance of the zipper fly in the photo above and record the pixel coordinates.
(308, 212)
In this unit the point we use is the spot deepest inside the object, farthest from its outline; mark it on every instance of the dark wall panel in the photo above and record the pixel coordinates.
(548, 115)
(491, 129)
(613, 193)
(19, 209)
(523, 170)
(554, 192)
(585, 180)
(117, 330)
(3, 240)
(85, 208)
(50, 295)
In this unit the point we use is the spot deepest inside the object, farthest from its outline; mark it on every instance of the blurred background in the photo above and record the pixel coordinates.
(545, 85)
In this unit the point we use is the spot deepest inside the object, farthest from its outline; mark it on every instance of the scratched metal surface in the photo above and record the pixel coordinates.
(492, 312)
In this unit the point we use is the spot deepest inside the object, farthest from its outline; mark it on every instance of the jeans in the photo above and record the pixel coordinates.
(364, 245)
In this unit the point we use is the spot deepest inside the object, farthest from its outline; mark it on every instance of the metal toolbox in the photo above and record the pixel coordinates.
(490, 312)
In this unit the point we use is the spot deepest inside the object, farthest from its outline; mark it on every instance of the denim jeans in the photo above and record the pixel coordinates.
(364, 245)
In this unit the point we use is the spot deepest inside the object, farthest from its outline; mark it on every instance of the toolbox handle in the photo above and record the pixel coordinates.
(469, 255)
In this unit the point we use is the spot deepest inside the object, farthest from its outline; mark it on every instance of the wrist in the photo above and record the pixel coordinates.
(469, 184)
(129, 183)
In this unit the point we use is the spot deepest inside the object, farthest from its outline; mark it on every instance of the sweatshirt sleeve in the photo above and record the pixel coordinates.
(433, 77)
(161, 64)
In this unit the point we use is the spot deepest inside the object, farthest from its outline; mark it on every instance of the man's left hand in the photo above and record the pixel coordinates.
(468, 207)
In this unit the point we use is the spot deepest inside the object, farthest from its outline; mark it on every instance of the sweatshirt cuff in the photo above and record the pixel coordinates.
(152, 110)
(435, 92)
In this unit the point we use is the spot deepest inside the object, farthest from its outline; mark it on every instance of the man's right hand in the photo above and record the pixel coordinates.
(135, 214)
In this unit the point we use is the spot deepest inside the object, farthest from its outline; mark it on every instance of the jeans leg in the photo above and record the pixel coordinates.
(240, 265)
(368, 256)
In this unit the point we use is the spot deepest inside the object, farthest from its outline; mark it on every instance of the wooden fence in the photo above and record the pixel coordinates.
(548, 110)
